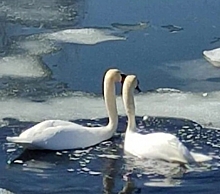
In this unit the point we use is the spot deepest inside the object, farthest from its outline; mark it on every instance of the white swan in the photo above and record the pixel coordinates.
(162, 146)
(62, 135)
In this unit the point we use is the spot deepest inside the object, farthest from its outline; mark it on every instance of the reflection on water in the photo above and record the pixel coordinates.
(105, 162)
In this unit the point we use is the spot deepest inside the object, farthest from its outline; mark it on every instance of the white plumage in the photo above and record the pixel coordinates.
(162, 146)
(62, 135)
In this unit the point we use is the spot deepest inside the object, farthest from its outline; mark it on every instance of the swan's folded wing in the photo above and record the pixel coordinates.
(176, 151)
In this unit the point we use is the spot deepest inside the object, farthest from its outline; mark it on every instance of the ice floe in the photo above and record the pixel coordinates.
(172, 28)
(203, 109)
(48, 13)
(213, 56)
(35, 46)
(88, 36)
(21, 66)
(4, 191)
(131, 27)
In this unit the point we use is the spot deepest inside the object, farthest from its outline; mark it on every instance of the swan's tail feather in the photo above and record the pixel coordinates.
(18, 140)
(200, 157)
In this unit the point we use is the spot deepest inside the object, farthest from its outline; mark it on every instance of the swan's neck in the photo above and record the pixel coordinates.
(110, 102)
(131, 123)
(128, 98)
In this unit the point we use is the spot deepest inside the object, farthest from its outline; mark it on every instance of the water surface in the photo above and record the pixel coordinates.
(52, 58)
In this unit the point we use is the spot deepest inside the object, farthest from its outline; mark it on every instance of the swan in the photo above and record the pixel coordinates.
(159, 145)
(64, 135)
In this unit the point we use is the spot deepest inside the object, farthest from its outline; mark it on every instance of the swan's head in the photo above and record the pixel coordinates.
(131, 81)
(114, 75)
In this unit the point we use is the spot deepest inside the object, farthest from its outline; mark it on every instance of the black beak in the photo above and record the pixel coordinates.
(138, 89)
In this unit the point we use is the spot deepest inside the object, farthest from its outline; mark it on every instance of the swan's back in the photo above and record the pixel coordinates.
(40, 127)
(68, 137)
(60, 135)
(162, 146)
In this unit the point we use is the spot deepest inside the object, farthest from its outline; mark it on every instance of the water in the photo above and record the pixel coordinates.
(48, 70)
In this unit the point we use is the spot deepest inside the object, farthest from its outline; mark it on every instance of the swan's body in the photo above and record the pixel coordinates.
(162, 146)
(62, 135)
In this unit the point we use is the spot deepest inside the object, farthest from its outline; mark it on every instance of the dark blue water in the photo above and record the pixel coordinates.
(163, 44)
(104, 168)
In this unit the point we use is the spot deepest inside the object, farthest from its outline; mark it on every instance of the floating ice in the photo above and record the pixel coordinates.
(204, 110)
(35, 46)
(21, 66)
(213, 56)
(49, 13)
(172, 28)
(88, 36)
(130, 27)
(4, 191)
(56, 108)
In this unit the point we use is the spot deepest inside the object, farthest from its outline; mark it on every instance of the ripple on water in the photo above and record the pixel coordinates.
(107, 164)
